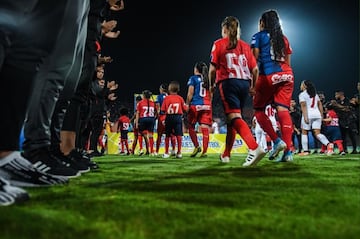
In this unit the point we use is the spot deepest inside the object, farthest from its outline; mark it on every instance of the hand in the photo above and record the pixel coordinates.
(252, 91)
(112, 34)
(108, 26)
(112, 96)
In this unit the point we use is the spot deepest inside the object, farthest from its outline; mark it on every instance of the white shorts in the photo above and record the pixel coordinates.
(313, 124)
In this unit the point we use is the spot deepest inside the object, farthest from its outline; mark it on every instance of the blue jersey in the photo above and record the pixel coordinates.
(159, 100)
(266, 60)
(201, 95)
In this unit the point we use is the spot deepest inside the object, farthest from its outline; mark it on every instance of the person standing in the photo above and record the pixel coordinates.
(174, 106)
(275, 86)
(122, 126)
(199, 101)
(312, 115)
(234, 70)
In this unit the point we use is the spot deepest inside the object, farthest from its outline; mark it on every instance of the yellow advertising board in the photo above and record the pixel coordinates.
(216, 143)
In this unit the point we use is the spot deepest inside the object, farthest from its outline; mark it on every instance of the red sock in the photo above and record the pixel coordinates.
(167, 141)
(205, 133)
(179, 142)
(151, 142)
(286, 127)
(229, 140)
(122, 145)
(244, 131)
(173, 142)
(140, 138)
(193, 135)
(266, 124)
(339, 144)
(158, 141)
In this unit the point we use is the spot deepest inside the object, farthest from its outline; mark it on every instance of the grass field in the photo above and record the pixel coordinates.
(142, 197)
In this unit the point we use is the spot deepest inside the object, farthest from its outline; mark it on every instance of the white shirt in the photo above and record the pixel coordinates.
(312, 108)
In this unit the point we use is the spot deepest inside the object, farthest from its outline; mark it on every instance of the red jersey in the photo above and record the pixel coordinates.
(334, 117)
(146, 108)
(174, 105)
(235, 63)
(123, 123)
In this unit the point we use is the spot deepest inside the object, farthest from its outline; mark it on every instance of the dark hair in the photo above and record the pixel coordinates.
(271, 21)
(124, 111)
(232, 24)
(310, 88)
(147, 94)
(138, 98)
(164, 87)
(174, 87)
(204, 70)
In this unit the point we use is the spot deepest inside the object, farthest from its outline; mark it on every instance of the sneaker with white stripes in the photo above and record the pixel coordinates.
(10, 194)
(20, 172)
(254, 156)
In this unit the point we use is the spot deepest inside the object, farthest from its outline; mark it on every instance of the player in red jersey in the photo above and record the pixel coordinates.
(137, 135)
(174, 106)
(145, 120)
(199, 101)
(276, 81)
(161, 119)
(234, 70)
(122, 126)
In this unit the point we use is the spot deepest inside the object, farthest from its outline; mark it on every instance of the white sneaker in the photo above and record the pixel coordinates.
(224, 159)
(330, 149)
(165, 156)
(179, 156)
(172, 153)
(254, 156)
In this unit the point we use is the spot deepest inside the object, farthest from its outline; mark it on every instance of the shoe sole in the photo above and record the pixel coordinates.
(276, 153)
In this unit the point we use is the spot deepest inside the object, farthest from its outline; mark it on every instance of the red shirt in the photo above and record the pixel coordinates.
(235, 63)
(124, 123)
(146, 108)
(174, 105)
(334, 117)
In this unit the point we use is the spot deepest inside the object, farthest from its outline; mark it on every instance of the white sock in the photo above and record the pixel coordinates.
(305, 142)
(322, 138)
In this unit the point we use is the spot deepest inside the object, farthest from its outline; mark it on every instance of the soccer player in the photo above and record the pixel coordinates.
(122, 126)
(199, 101)
(137, 135)
(161, 120)
(174, 106)
(234, 70)
(312, 114)
(275, 85)
(145, 120)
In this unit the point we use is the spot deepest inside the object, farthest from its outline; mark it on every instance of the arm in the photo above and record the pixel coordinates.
(321, 109)
(255, 76)
(190, 94)
(212, 77)
(304, 111)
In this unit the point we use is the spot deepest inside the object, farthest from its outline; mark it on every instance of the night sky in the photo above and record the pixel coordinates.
(160, 42)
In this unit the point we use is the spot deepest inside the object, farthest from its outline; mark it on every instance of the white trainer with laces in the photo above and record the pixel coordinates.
(165, 156)
(254, 156)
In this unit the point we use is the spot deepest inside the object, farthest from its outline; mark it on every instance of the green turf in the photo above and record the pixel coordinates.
(141, 197)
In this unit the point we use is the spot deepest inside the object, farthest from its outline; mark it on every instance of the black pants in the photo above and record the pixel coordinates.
(27, 37)
(62, 66)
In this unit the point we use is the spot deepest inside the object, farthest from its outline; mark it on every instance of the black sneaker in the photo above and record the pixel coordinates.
(10, 194)
(72, 162)
(82, 157)
(20, 172)
(45, 162)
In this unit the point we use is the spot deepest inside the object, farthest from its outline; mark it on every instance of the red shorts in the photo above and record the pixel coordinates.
(276, 88)
(197, 114)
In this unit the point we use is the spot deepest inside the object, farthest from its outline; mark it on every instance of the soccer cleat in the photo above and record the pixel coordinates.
(224, 159)
(254, 156)
(342, 153)
(10, 194)
(179, 155)
(165, 156)
(286, 157)
(141, 152)
(277, 148)
(20, 172)
(330, 149)
(195, 151)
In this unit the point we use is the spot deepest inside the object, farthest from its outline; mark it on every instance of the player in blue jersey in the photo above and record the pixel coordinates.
(276, 81)
(199, 100)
